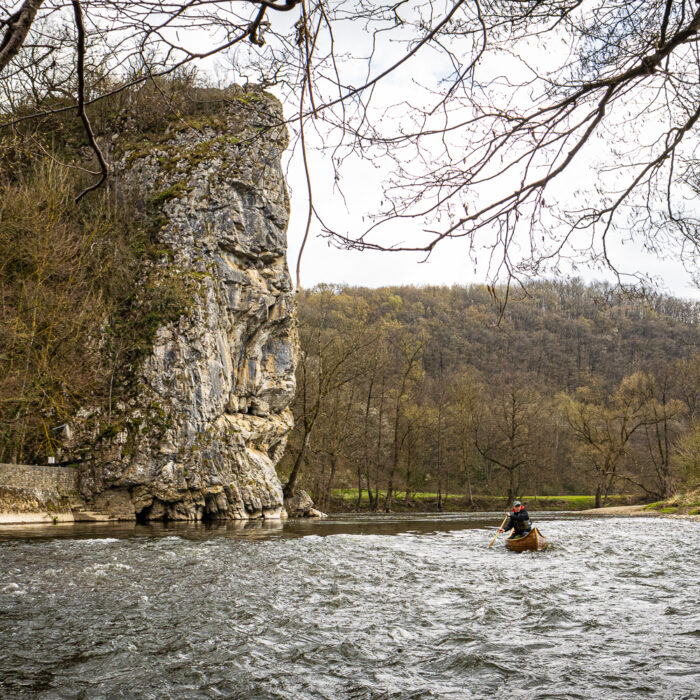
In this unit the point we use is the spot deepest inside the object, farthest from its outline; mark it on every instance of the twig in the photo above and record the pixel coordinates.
(81, 102)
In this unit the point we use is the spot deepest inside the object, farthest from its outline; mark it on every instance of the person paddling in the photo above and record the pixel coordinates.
(519, 521)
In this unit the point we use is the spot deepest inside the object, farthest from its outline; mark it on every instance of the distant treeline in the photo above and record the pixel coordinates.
(568, 389)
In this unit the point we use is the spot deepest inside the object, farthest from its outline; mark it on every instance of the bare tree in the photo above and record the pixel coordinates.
(333, 444)
(504, 435)
(497, 160)
(328, 362)
(546, 130)
(660, 434)
(605, 426)
(410, 354)
(467, 408)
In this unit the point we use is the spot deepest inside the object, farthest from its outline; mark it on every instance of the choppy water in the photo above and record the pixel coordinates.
(390, 607)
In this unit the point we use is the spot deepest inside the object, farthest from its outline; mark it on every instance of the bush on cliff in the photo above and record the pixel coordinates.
(81, 289)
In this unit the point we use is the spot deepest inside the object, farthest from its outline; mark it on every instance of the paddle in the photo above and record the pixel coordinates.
(498, 533)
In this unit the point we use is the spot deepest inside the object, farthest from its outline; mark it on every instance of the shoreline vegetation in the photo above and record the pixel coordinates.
(687, 504)
(574, 390)
(345, 500)
(644, 511)
(684, 505)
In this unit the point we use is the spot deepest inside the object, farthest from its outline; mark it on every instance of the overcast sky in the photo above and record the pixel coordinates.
(449, 264)
(362, 180)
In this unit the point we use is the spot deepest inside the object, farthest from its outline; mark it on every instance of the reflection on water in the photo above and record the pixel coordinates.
(351, 523)
(363, 606)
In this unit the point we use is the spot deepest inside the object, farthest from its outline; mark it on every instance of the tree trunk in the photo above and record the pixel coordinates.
(608, 486)
(439, 456)
(17, 28)
(394, 466)
(370, 495)
(291, 484)
(408, 473)
(389, 494)
(378, 455)
(365, 442)
(397, 443)
(470, 495)
(326, 500)
(512, 486)
(667, 485)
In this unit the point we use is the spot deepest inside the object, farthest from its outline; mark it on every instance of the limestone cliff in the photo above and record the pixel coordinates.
(206, 417)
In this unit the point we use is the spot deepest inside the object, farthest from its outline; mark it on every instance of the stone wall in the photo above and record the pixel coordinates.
(37, 494)
(25, 476)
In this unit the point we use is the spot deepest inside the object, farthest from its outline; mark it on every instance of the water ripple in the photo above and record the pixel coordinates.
(352, 608)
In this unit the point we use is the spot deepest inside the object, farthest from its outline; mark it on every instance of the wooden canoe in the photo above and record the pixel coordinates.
(533, 541)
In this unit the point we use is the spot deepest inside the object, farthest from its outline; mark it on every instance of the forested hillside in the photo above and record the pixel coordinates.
(569, 389)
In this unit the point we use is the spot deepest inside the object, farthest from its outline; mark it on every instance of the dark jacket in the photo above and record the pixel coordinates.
(519, 523)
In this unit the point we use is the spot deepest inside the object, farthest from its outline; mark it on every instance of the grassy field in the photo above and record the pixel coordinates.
(346, 499)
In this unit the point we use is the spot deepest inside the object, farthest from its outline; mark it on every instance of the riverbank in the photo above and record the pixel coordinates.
(345, 501)
(681, 504)
(640, 509)
(685, 506)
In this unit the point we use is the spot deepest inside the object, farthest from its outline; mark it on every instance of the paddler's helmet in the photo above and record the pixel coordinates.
(516, 504)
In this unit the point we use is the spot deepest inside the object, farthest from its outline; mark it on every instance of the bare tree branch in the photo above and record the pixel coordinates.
(520, 94)
(16, 29)
(81, 102)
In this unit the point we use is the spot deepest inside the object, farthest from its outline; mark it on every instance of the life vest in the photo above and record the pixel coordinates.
(522, 526)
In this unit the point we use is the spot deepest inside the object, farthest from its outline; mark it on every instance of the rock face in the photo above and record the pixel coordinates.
(208, 417)
(300, 505)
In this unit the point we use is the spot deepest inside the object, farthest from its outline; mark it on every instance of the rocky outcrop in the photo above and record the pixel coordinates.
(300, 505)
(206, 421)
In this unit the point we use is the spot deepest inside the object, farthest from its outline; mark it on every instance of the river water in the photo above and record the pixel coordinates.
(352, 607)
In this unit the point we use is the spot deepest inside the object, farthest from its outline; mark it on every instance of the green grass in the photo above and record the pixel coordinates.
(486, 502)
(678, 504)
(346, 499)
(351, 495)
(580, 500)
